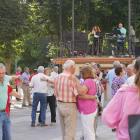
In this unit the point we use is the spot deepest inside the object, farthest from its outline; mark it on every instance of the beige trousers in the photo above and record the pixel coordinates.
(68, 120)
(26, 94)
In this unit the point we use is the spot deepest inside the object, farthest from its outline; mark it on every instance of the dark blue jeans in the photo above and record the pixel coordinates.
(5, 126)
(42, 98)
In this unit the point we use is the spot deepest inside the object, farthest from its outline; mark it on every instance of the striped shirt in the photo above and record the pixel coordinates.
(64, 88)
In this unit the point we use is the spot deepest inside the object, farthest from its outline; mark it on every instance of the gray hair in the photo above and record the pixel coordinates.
(87, 64)
(2, 66)
(68, 64)
(25, 68)
(40, 69)
(93, 64)
(130, 66)
(18, 68)
(116, 64)
(55, 67)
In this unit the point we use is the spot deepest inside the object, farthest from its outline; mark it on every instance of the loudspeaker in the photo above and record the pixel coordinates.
(59, 67)
(137, 51)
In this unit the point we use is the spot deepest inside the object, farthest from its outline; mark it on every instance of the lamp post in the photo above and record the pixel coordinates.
(60, 24)
(129, 24)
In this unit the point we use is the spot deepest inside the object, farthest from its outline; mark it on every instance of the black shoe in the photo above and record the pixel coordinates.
(113, 130)
(30, 105)
(24, 105)
(18, 99)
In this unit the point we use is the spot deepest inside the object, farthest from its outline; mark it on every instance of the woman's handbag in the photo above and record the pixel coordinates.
(134, 127)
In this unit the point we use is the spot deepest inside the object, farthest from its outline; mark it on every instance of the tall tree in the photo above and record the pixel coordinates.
(13, 23)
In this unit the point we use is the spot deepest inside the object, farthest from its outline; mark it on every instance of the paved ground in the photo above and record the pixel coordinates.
(21, 130)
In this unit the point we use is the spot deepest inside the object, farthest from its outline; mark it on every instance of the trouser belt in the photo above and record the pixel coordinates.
(2, 110)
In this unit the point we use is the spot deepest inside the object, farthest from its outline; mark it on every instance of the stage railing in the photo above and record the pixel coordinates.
(101, 47)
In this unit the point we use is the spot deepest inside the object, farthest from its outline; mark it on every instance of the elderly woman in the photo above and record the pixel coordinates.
(125, 102)
(98, 70)
(50, 96)
(117, 82)
(87, 108)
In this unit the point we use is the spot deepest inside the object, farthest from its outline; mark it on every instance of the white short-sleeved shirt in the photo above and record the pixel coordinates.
(54, 74)
(39, 87)
(130, 80)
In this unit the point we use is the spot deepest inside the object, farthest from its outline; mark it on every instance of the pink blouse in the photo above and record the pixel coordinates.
(88, 106)
(124, 103)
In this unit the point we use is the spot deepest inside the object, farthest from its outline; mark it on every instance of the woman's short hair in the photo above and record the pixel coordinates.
(98, 65)
(46, 69)
(87, 72)
(118, 71)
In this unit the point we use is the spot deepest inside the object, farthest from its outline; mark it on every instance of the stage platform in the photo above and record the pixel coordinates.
(105, 61)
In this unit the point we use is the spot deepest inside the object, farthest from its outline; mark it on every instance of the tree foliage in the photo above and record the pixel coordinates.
(24, 24)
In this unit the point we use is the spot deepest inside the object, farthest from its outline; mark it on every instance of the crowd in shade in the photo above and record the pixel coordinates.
(71, 93)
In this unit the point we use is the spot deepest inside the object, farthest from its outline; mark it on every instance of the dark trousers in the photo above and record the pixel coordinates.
(119, 45)
(51, 100)
(17, 91)
(95, 45)
(100, 101)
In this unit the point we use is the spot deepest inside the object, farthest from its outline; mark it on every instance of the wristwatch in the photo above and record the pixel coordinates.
(47, 80)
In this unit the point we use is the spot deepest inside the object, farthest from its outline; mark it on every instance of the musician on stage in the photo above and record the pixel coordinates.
(96, 37)
(120, 43)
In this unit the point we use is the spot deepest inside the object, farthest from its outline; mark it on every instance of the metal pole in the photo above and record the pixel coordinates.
(60, 28)
(87, 12)
(129, 24)
(73, 28)
(15, 65)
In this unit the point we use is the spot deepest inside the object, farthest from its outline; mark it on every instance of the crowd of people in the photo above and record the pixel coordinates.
(83, 94)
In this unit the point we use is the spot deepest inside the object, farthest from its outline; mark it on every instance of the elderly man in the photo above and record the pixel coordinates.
(93, 65)
(111, 74)
(66, 92)
(40, 91)
(124, 66)
(5, 122)
(25, 86)
(129, 71)
(19, 70)
(130, 80)
(54, 74)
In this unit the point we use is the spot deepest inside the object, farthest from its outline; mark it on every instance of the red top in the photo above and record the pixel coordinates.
(8, 100)
(32, 76)
(16, 81)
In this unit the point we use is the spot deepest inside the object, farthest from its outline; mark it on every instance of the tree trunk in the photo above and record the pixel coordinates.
(8, 66)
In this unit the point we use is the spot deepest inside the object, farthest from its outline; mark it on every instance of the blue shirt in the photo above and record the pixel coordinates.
(80, 76)
(124, 77)
(25, 77)
(123, 31)
(111, 74)
(3, 92)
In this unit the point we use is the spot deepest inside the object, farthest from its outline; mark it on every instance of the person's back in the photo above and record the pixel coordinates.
(111, 74)
(126, 103)
(88, 106)
(65, 87)
(40, 86)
